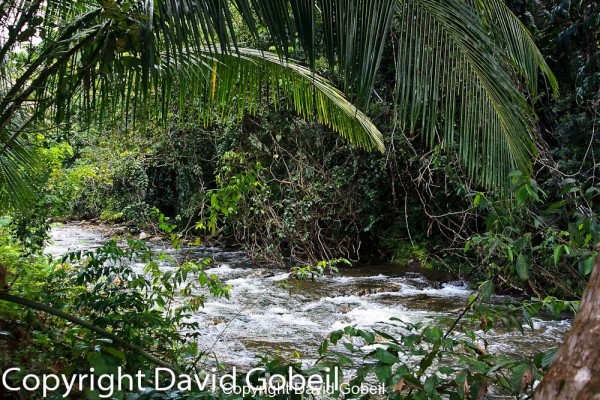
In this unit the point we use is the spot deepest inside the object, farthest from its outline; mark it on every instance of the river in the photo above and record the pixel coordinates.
(263, 316)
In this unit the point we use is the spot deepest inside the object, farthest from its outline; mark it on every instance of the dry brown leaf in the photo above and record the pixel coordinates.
(398, 386)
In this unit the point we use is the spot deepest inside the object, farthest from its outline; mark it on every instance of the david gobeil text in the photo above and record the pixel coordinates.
(254, 382)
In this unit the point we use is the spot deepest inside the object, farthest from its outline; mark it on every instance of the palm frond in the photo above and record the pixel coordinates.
(510, 34)
(15, 178)
(217, 85)
(246, 78)
(453, 86)
(17, 163)
(355, 33)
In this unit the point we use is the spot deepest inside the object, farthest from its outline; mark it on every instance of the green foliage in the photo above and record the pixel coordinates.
(549, 247)
(232, 189)
(425, 363)
(429, 362)
(29, 225)
(407, 254)
(273, 187)
(142, 57)
(479, 51)
(109, 182)
(490, 145)
(139, 303)
(567, 34)
(321, 268)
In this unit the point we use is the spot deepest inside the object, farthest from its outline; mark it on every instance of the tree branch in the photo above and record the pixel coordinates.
(78, 321)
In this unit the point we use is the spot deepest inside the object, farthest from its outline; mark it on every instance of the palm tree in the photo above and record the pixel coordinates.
(462, 69)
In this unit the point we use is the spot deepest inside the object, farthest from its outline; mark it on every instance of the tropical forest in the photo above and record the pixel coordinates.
(299, 199)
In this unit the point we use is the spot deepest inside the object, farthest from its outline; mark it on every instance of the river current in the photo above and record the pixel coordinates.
(263, 316)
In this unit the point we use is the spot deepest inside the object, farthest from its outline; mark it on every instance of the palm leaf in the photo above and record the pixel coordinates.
(224, 84)
(459, 70)
(15, 178)
(245, 78)
(355, 33)
(452, 85)
(512, 36)
(17, 164)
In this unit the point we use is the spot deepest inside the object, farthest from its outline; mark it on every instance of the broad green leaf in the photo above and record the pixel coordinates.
(369, 337)
(549, 357)
(486, 290)
(589, 265)
(383, 372)
(117, 353)
(99, 362)
(522, 267)
(518, 374)
(385, 356)
(349, 346)
(558, 252)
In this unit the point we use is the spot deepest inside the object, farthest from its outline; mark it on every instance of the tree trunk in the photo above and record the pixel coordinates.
(575, 374)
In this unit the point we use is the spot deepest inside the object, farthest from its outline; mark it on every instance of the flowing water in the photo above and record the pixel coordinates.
(266, 316)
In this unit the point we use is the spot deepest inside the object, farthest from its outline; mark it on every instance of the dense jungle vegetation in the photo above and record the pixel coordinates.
(235, 123)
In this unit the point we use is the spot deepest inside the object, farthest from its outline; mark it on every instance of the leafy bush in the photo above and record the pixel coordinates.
(549, 248)
(146, 306)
